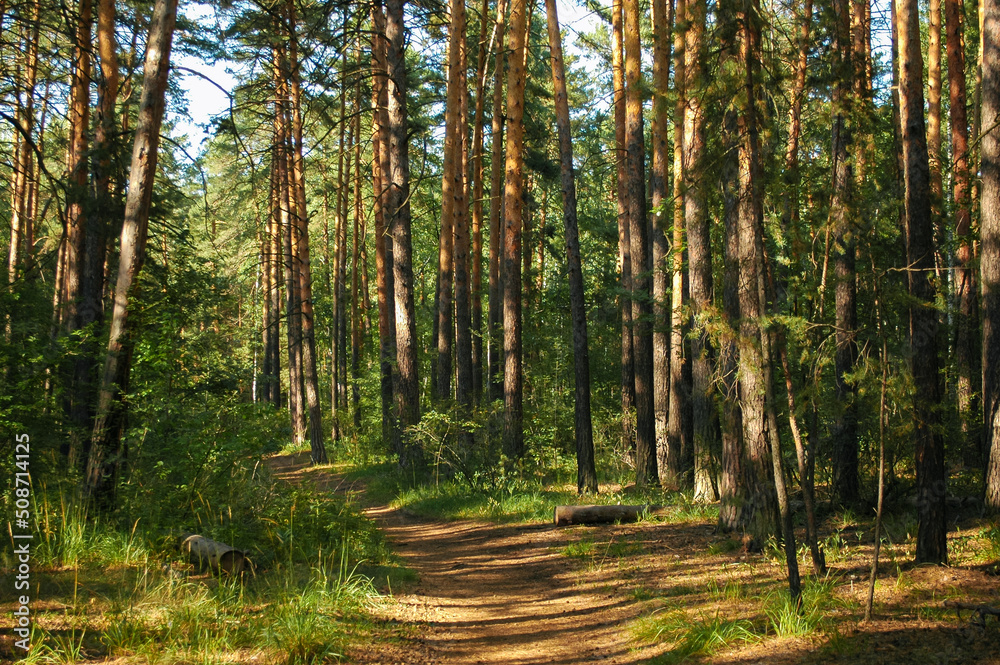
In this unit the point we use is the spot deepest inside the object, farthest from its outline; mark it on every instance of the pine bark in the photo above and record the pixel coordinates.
(463, 241)
(285, 200)
(679, 416)
(990, 251)
(586, 472)
(477, 202)
(624, 228)
(452, 197)
(21, 218)
(513, 430)
(968, 380)
(381, 170)
(357, 322)
(642, 333)
(668, 461)
(931, 478)
(495, 315)
(304, 273)
(406, 385)
(699, 247)
(845, 429)
(102, 460)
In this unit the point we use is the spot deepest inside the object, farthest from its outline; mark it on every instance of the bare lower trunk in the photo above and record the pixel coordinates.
(931, 477)
(513, 430)
(586, 473)
(624, 229)
(965, 290)
(668, 462)
(304, 274)
(407, 385)
(98, 482)
(698, 243)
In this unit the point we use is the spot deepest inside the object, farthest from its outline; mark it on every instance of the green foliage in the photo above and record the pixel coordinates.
(991, 535)
(790, 619)
(692, 637)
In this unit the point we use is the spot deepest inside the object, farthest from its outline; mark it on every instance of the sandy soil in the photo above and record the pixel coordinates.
(506, 594)
(487, 593)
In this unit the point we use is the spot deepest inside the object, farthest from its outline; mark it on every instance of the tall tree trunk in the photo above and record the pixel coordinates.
(586, 473)
(668, 462)
(759, 513)
(99, 481)
(624, 228)
(76, 165)
(642, 333)
(21, 219)
(513, 429)
(463, 292)
(82, 233)
(293, 311)
(698, 241)
(452, 198)
(990, 252)
(342, 326)
(845, 429)
(679, 423)
(304, 273)
(732, 488)
(272, 296)
(495, 315)
(407, 385)
(357, 343)
(477, 204)
(383, 241)
(931, 478)
(966, 359)
(934, 121)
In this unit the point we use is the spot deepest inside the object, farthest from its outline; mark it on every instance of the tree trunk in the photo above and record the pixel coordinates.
(932, 527)
(463, 244)
(679, 423)
(477, 205)
(990, 252)
(20, 212)
(98, 482)
(844, 433)
(513, 430)
(495, 314)
(452, 198)
(293, 311)
(357, 343)
(407, 385)
(698, 244)
(304, 273)
(383, 242)
(966, 359)
(642, 334)
(668, 461)
(586, 473)
(624, 240)
(934, 125)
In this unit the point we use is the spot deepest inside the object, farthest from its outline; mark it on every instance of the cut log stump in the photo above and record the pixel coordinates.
(567, 515)
(219, 557)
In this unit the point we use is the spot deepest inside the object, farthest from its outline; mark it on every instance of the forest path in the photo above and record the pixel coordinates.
(486, 593)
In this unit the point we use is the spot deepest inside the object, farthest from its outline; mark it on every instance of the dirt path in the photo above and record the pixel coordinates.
(488, 593)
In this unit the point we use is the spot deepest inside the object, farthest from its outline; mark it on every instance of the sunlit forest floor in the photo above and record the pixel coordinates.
(486, 579)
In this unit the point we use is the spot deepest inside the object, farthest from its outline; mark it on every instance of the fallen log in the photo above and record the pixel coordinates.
(982, 610)
(219, 557)
(567, 515)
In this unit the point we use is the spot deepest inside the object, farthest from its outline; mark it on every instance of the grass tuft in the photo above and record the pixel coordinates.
(691, 638)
